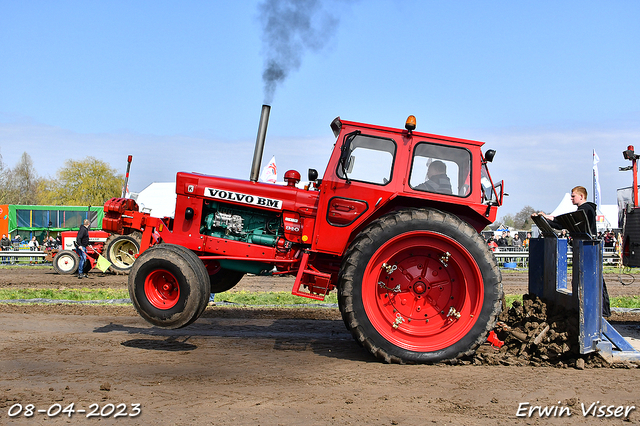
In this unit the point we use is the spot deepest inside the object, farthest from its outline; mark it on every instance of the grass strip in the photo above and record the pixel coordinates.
(240, 298)
(67, 294)
(615, 302)
(271, 298)
(26, 264)
(625, 302)
(249, 298)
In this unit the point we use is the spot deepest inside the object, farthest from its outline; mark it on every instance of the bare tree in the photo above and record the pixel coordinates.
(523, 218)
(3, 182)
(508, 220)
(21, 183)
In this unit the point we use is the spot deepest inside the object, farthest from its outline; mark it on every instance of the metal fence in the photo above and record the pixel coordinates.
(504, 255)
(520, 256)
(12, 257)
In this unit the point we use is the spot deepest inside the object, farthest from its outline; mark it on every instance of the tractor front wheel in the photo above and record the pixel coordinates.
(169, 286)
(66, 262)
(419, 286)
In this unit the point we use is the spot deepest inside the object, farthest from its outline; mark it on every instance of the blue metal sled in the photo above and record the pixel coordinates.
(548, 280)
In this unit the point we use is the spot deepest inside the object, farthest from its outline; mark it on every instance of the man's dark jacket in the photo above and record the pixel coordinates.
(83, 236)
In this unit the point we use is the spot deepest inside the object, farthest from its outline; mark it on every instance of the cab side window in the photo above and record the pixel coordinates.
(441, 169)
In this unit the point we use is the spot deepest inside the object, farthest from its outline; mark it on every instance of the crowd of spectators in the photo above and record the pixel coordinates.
(505, 240)
(49, 243)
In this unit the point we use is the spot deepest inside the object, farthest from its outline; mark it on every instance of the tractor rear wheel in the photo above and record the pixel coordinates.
(169, 286)
(419, 286)
(121, 251)
(66, 262)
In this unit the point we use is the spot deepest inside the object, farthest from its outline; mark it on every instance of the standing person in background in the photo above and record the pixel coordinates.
(579, 198)
(492, 243)
(502, 241)
(509, 239)
(5, 243)
(34, 244)
(609, 240)
(82, 241)
(517, 242)
(50, 244)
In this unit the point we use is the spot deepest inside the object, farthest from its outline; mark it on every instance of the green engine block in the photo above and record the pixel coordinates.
(240, 224)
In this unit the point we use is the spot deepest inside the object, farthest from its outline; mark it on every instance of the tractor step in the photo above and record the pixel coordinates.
(317, 282)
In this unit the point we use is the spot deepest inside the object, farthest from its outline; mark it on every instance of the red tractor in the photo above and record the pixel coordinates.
(120, 250)
(393, 225)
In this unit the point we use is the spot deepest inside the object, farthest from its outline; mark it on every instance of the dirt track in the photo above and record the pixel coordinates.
(257, 366)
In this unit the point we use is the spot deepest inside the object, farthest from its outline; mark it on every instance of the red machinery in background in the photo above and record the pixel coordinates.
(120, 250)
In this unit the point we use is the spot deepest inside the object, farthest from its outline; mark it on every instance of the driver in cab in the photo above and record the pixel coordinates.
(437, 179)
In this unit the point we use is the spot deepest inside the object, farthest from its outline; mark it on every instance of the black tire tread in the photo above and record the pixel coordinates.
(73, 254)
(200, 275)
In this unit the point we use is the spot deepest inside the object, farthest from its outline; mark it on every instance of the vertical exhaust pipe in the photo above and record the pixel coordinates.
(126, 177)
(262, 135)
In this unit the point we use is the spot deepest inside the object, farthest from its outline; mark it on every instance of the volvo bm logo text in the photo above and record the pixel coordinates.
(243, 198)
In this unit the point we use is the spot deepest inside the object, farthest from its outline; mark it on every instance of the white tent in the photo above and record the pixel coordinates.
(159, 199)
(565, 206)
(607, 213)
(610, 213)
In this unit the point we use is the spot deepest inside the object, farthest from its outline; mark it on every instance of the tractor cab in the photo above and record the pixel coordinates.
(374, 170)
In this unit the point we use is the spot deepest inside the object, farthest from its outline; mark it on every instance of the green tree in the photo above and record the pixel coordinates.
(86, 182)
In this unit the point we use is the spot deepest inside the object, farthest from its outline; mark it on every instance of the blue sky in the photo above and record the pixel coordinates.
(178, 85)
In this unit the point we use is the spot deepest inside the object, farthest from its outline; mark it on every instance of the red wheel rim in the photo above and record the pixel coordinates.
(417, 296)
(213, 267)
(162, 289)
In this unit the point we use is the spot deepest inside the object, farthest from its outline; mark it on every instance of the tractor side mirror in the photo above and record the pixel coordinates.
(345, 156)
(488, 156)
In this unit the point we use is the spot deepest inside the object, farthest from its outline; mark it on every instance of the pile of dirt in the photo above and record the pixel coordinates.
(538, 333)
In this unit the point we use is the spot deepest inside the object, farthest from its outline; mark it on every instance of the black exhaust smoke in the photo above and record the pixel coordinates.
(262, 135)
(289, 28)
